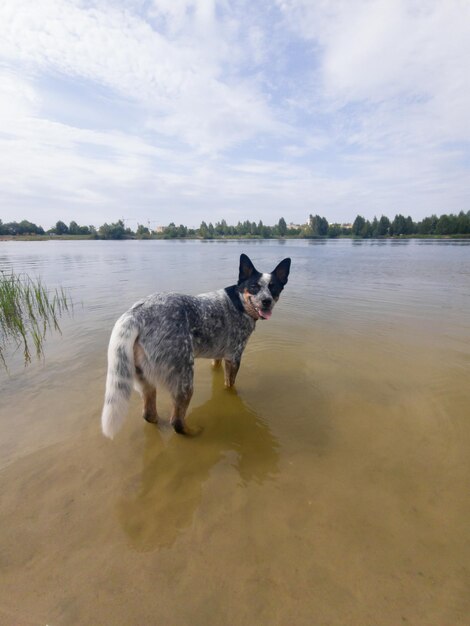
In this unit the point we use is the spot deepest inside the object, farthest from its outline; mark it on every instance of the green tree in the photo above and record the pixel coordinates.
(142, 231)
(444, 225)
(374, 227)
(263, 231)
(383, 226)
(361, 227)
(334, 230)
(182, 231)
(116, 230)
(401, 225)
(203, 230)
(74, 228)
(410, 226)
(427, 226)
(22, 228)
(171, 232)
(61, 228)
(224, 228)
(282, 227)
(463, 223)
(317, 226)
(358, 226)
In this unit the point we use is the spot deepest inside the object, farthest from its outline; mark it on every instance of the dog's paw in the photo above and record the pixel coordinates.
(151, 418)
(182, 429)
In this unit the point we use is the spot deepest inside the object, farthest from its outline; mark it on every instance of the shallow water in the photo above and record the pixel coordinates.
(330, 488)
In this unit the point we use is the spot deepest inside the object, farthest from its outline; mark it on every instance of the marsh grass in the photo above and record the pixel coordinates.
(28, 310)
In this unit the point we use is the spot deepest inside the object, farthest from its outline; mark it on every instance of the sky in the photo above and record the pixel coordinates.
(161, 111)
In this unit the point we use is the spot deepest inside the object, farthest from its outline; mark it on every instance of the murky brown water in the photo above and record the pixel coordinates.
(331, 488)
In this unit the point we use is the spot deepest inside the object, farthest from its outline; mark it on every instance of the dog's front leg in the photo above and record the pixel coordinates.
(231, 367)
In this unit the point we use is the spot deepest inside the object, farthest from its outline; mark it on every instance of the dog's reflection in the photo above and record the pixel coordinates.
(169, 489)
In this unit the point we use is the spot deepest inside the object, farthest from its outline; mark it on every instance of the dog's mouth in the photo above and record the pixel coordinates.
(265, 314)
(261, 313)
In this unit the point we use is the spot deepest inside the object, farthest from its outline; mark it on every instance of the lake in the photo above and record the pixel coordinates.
(331, 488)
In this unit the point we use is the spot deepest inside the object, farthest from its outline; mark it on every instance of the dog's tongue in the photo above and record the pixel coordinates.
(265, 314)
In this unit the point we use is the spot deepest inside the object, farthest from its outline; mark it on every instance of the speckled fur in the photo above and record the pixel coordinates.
(157, 340)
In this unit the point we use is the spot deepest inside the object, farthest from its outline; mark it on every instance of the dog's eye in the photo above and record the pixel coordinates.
(275, 290)
(253, 289)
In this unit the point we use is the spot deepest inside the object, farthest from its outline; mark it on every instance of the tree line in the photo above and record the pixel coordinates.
(316, 227)
(444, 225)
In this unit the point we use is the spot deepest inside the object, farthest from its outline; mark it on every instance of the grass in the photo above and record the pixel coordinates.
(28, 310)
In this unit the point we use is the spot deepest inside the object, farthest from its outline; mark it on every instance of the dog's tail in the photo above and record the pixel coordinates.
(120, 374)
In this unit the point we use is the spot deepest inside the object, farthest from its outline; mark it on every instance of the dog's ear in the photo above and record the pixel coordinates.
(246, 269)
(282, 271)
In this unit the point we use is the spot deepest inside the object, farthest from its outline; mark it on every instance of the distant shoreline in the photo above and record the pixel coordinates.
(4, 238)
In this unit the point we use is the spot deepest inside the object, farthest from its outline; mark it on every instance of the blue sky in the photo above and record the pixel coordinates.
(183, 110)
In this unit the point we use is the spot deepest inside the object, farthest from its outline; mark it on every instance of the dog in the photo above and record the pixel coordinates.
(157, 339)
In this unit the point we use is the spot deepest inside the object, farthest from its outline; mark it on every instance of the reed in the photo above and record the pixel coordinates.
(28, 310)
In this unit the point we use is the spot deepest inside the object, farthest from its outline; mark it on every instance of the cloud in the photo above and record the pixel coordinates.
(202, 109)
(175, 78)
(407, 54)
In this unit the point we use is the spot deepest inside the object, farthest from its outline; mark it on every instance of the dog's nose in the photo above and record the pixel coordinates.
(266, 302)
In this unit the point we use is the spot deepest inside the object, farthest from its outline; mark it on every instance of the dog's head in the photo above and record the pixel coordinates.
(260, 292)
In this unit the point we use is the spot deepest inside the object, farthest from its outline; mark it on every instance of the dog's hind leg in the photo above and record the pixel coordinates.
(180, 406)
(144, 387)
(181, 392)
(216, 363)
(149, 396)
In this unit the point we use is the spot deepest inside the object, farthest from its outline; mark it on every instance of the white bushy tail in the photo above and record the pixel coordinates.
(120, 375)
